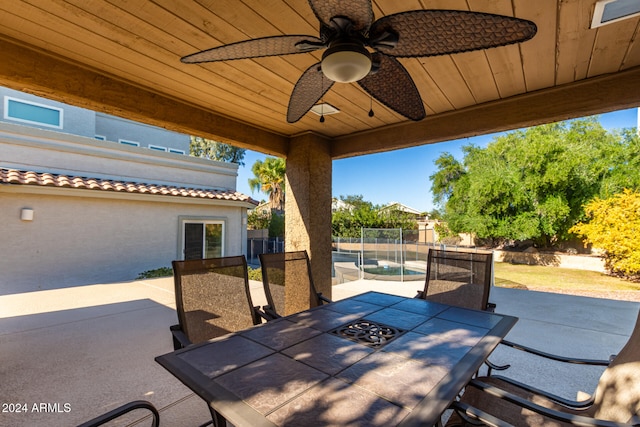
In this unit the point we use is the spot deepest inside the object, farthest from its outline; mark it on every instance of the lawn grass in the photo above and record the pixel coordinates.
(543, 278)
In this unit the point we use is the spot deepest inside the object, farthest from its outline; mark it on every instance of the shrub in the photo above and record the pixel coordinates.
(255, 274)
(614, 226)
(158, 272)
(445, 235)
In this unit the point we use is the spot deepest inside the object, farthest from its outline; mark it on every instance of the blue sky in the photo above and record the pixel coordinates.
(403, 175)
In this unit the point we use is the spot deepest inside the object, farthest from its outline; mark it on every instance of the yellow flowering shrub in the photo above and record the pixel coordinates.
(614, 226)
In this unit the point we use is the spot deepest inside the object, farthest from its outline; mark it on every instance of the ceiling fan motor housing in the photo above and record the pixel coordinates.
(346, 61)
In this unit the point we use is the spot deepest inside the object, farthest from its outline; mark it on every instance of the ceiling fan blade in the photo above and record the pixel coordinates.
(311, 86)
(359, 12)
(442, 32)
(256, 48)
(393, 86)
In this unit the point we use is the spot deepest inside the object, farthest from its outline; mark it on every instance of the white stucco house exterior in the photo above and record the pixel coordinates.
(89, 200)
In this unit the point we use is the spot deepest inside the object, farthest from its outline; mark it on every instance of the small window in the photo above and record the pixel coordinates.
(157, 148)
(100, 137)
(173, 150)
(130, 143)
(610, 11)
(32, 112)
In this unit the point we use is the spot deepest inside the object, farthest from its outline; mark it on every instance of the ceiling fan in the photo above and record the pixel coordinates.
(361, 50)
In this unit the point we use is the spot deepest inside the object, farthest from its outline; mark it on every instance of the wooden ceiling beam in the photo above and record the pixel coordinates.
(583, 98)
(31, 70)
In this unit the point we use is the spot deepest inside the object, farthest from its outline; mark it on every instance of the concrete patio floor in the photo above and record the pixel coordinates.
(85, 350)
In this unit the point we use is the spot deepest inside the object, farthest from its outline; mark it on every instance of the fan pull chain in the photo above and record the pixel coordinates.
(371, 114)
(322, 99)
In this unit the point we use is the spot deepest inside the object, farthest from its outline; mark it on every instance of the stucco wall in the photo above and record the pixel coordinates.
(116, 128)
(592, 263)
(38, 150)
(82, 240)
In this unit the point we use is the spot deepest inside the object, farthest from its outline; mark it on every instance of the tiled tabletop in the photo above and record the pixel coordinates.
(301, 370)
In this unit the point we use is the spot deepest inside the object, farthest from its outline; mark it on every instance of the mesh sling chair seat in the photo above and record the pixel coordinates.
(460, 279)
(616, 401)
(212, 299)
(289, 268)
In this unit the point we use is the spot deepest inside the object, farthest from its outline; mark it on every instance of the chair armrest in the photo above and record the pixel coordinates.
(323, 299)
(259, 314)
(568, 403)
(551, 413)
(180, 339)
(124, 409)
(594, 362)
(469, 413)
(270, 313)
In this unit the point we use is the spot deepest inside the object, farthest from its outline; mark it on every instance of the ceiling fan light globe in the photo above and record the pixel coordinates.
(346, 65)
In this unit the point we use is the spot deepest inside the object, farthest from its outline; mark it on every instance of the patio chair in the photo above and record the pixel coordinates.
(616, 401)
(461, 279)
(121, 411)
(212, 299)
(281, 268)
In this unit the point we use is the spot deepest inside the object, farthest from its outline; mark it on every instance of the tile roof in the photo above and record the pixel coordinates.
(14, 176)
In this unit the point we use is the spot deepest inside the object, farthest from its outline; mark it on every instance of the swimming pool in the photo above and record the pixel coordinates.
(393, 273)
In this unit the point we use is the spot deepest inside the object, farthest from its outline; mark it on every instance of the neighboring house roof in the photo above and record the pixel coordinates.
(338, 204)
(262, 207)
(13, 176)
(400, 207)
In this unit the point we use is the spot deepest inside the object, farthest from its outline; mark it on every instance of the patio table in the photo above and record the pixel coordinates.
(370, 360)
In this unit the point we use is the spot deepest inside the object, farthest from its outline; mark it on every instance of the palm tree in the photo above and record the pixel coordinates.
(269, 178)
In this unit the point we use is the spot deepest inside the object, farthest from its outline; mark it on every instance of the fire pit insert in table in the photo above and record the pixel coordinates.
(367, 332)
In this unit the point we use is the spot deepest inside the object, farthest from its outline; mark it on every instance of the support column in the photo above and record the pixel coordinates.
(308, 205)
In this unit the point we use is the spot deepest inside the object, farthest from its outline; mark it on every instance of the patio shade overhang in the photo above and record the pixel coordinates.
(123, 58)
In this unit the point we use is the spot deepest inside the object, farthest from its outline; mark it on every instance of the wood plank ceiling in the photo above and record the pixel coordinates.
(59, 48)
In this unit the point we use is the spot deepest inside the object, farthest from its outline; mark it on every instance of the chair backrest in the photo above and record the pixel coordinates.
(212, 297)
(617, 396)
(288, 268)
(461, 279)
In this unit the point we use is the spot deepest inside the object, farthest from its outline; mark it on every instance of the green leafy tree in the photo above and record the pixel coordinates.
(214, 150)
(621, 164)
(449, 172)
(258, 220)
(276, 225)
(269, 177)
(434, 214)
(445, 235)
(614, 226)
(396, 218)
(532, 184)
(272, 221)
(358, 213)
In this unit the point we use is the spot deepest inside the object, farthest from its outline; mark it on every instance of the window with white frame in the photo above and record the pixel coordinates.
(176, 151)
(157, 147)
(23, 111)
(202, 238)
(130, 143)
(100, 137)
